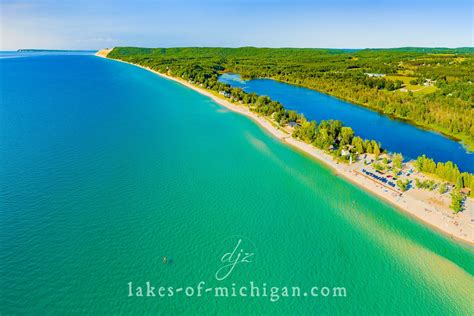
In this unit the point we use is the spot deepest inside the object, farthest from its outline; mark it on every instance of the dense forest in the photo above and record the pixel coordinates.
(431, 87)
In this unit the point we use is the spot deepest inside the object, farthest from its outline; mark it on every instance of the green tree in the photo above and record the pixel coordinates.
(403, 184)
(358, 144)
(376, 149)
(443, 188)
(397, 160)
(368, 147)
(346, 135)
(292, 116)
(456, 201)
(418, 183)
(459, 182)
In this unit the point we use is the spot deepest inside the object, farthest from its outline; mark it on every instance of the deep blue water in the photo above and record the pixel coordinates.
(395, 136)
(16, 54)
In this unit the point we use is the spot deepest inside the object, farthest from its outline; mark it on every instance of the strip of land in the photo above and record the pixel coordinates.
(430, 207)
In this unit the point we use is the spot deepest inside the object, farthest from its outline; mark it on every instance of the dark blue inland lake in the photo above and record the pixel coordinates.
(395, 136)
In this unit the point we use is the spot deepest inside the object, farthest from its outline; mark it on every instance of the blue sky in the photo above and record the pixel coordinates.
(93, 24)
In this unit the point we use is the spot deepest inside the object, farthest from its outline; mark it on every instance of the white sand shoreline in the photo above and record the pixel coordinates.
(420, 205)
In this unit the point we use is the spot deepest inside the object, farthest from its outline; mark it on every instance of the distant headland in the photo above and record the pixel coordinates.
(35, 50)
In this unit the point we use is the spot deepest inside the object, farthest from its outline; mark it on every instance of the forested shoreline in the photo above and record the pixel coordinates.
(431, 88)
(202, 66)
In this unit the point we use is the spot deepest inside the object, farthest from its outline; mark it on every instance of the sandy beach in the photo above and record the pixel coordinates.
(430, 207)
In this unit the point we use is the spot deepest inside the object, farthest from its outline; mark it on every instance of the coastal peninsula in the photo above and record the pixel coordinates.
(431, 207)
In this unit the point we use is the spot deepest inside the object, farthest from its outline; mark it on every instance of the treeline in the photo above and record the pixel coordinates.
(343, 73)
(202, 66)
(447, 171)
(381, 83)
(449, 110)
(333, 136)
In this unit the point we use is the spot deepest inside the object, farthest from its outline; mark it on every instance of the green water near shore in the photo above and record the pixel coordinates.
(107, 168)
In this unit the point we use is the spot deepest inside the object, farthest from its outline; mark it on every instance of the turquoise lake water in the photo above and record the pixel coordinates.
(395, 136)
(107, 168)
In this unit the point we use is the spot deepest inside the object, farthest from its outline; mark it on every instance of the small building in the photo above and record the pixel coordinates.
(293, 124)
(429, 83)
(225, 94)
(372, 75)
(465, 191)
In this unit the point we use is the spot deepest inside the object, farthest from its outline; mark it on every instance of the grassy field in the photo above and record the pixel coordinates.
(413, 88)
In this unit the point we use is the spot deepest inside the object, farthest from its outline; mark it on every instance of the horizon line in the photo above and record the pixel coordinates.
(236, 47)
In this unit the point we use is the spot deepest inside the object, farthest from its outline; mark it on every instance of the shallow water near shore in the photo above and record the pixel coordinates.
(395, 136)
(107, 168)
